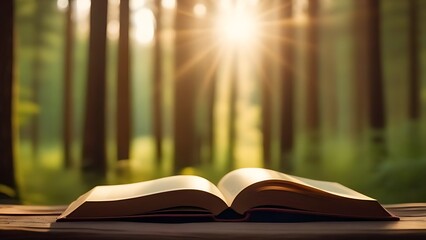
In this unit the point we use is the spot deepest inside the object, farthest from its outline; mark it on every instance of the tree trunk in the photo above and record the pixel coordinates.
(94, 154)
(413, 49)
(232, 124)
(211, 100)
(68, 86)
(7, 176)
(374, 76)
(374, 70)
(328, 59)
(287, 89)
(185, 88)
(209, 80)
(414, 144)
(38, 44)
(312, 114)
(361, 82)
(312, 85)
(124, 122)
(267, 86)
(158, 85)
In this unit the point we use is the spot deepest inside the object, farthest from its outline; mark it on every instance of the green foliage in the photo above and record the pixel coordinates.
(8, 191)
(39, 65)
(401, 180)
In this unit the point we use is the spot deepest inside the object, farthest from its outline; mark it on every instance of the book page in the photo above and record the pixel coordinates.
(333, 188)
(234, 182)
(139, 198)
(140, 189)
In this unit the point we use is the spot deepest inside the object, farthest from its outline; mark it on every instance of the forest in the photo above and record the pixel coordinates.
(118, 91)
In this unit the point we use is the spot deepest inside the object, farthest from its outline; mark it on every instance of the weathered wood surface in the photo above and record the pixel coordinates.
(32, 222)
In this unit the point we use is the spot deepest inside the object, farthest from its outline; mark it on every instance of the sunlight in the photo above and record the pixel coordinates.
(240, 27)
(299, 9)
(113, 29)
(200, 10)
(237, 25)
(80, 15)
(82, 9)
(62, 4)
(168, 4)
(144, 26)
(136, 5)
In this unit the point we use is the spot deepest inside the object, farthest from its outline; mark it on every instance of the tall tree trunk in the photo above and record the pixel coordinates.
(374, 76)
(414, 86)
(287, 89)
(211, 100)
(38, 44)
(329, 89)
(312, 114)
(374, 70)
(232, 124)
(68, 86)
(94, 152)
(413, 46)
(267, 85)
(7, 176)
(361, 82)
(185, 88)
(158, 85)
(208, 75)
(124, 122)
(312, 85)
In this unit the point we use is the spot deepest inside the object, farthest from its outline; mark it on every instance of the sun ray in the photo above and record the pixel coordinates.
(194, 60)
(250, 38)
(211, 71)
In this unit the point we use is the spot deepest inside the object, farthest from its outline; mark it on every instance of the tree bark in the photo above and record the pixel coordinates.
(38, 44)
(185, 88)
(374, 68)
(312, 85)
(413, 49)
(232, 119)
(158, 85)
(94, 149)
(210, 79)
(361, 82)
(7, 176)
(124, 122)
(68, 86)
(267, 85)
(374, 79)
(287, 89)
(312, 98)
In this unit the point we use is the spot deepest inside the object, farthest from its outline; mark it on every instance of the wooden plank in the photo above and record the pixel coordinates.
(17, 226)
(31, 210)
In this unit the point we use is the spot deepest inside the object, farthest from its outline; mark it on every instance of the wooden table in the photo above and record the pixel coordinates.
(32, 222)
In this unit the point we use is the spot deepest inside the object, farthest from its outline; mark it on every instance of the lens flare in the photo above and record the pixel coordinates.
(237, 27)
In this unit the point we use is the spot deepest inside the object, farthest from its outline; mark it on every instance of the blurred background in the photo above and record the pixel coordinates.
(120, 91)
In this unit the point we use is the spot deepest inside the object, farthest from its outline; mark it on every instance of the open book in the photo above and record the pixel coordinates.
(247, 194)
